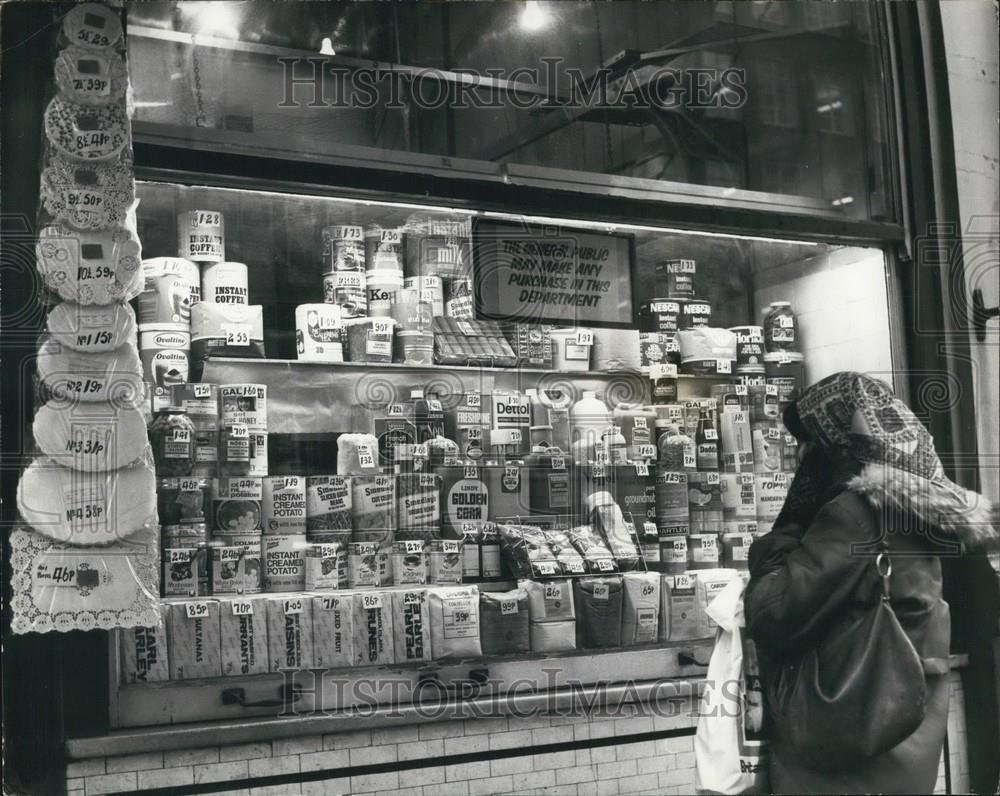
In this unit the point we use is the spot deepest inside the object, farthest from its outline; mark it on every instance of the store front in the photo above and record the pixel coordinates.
(460, 341)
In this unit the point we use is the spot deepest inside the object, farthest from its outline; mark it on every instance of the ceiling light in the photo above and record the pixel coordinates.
(214, 18)
(533, 17)
(327, 47)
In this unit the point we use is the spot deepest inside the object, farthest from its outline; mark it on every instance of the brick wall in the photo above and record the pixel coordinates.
(632, 763)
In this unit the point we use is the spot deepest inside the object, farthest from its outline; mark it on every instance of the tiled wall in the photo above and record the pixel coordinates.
(658, 766)
(661, 766)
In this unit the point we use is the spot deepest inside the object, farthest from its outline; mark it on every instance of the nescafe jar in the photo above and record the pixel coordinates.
(694, 313)
(781, 328)
(659, 315)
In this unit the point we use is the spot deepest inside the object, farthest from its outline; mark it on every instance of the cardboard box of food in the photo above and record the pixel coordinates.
(243, 623)
(411, 624)
(193, 635)
(333, 630)
(289, 633)
(373, 636)
(144, 652)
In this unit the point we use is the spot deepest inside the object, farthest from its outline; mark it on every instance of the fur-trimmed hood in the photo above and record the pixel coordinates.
(937, 504)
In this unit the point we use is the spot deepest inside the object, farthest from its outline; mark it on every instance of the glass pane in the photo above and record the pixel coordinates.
(767, 98)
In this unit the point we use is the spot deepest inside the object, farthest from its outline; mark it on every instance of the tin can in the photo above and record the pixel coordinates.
(383, 248)
(458, 301)
(431, 291)
(236, 505)
(283, 503)
(173, 285)
(165, 354)
(284, 562)
(343, 248)
(328, 503)
(201, 236)
(348, 290)
(252, 566)
(694, 313)
(660, 315)
(317, 333)
(749, 348)
(678, 275)
(225, 283)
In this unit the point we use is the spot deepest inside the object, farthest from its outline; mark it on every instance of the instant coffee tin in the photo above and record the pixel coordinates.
(694, 313)
(225, 283)
(201, 236)
(660, 315)
(678, 275)
(343, 248)
(348, 290)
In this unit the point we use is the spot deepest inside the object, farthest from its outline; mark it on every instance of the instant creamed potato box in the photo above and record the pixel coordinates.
(243, 623)
(333, 630)
(144, 653)
(193, 635)
(289, 633)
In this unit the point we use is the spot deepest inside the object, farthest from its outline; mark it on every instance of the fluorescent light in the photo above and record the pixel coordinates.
(213, 18)
(843, 200)
(327, 47)
(533, 17)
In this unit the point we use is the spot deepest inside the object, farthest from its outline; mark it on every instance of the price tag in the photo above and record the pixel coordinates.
(712, 479)
(508, 607)
(690, 461)
(331, 603)
(601, 456)
(602, 591)
(724, 366)
(188, 485)
(471, 471)
(383, 326)
(182, 555)
(515, 436)
(708, 543)
(434, 405)
(545, 567)
(584, 337)
(366, 458)
(237, 334)
(427, 480)
(420, 451)
(364, 548)
(649, 528)
(473, 400)
(683, 581)
(680, 545)
(640, 422)
(646, 451)
(711, 433)
(450, 546)
(411, 598)
(293, 606)
(197, 610)
(662, 371)
(780, 478)
(605, 565)
(771, 389)
(242, 608)
(239, 432)
(745, 479)
(202, 390)
(558, 462)
(641, 469)
(395, 410)
(371, 602)
(784, 358)
(672, 478)
(741, 389)
(786, 321)
(390, 236)
(206, 218)
(773, 433)
(553, 591)
(182, 435)
(597, 471)
(791, 441)
(413, 546)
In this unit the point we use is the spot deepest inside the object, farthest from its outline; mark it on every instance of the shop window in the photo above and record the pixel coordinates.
(834, 103)
(775, 94)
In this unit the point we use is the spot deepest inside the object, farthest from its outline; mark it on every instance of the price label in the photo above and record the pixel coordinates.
(202, 390)
(708, 543)
(601, 456)
(558, 462)
(371, 602)
(553, 591)
(293, 606)
(780, 478)
(197, 610)
(413, 546)
(724, 366)
(786, 322)
(366, 458)
(364, 548)
(741, 389)
(712, 479)
(242, 608)
(545, 567)
(605, 565)
(745, 479)
(711, 433)
(649, 528)
(771, 389)
(473, 400)
(680, 545)
(390, 236)
(602, 591)
(690, 461)
(434, 405)
(512, 473)
(383, 326)
(237, 334)
(641, 469)
(450, 546)
(683, 581)
(597, 471)
(508, 607)
(515, 436)
(395, 410)
(420, 451)
(239, 432)
(784, 358)
(584, 337)
(411, 598)
(331, 603)
(646, 451)
(791, 441)
(182, 435)
(662, 371)
(181, 556)
(471, 471)
(672, 478)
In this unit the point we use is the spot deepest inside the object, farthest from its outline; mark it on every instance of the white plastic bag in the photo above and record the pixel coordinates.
(729, 753)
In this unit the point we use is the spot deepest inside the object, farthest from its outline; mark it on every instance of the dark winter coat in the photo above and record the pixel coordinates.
(802, 582)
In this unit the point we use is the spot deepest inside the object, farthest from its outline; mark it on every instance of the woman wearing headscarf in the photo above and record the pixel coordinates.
(868, 477)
